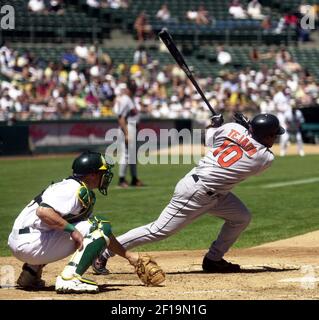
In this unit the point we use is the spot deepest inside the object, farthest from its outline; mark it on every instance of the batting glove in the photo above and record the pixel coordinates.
(241, 119)
(217, 120)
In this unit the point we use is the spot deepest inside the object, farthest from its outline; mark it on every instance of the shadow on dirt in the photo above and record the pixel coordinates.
(102, 288)
(256, 269)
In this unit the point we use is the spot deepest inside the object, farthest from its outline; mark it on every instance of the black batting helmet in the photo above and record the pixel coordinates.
(266, 124)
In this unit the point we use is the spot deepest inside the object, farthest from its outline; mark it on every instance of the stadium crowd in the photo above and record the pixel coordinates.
(85, 84)
(46, 6)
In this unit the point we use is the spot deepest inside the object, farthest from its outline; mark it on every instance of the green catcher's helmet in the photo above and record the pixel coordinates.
(93, 162)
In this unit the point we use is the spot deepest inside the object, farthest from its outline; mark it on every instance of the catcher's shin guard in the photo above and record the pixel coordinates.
(93, 244)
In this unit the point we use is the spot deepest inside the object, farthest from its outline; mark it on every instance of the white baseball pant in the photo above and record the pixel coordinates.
(284, 140)
(43, 247)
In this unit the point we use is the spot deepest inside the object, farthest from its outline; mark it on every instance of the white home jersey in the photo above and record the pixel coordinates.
(63, 197)
(234, 156)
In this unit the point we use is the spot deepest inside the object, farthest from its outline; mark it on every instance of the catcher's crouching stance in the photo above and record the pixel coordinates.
(59, 222)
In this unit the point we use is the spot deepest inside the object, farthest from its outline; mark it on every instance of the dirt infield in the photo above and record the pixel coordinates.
(284, 269)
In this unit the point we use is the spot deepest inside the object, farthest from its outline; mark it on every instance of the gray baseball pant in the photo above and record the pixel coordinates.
(190, 200)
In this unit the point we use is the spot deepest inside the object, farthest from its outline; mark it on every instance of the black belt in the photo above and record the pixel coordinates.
(24, 230)
(196, 178)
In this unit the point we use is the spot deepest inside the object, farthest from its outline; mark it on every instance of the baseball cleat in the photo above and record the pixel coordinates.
(221, 266)
(30, 279)
(123, 184)
(137, 183)
(99, 266)
(76, 284)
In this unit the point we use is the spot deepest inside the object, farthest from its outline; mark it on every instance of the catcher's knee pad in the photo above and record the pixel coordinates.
(103, 226)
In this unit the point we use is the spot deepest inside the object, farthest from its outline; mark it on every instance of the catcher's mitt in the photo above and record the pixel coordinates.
(150, 273)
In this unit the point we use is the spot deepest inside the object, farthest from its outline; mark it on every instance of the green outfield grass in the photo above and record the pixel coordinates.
(277, 213)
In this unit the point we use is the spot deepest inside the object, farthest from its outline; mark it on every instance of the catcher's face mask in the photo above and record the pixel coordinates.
(105, 181)
(106, 177)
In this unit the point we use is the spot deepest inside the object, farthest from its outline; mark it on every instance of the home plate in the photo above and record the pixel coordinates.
(301, 280)
(271, 267)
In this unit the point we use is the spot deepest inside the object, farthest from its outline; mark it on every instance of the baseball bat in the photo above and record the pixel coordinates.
(169, 43)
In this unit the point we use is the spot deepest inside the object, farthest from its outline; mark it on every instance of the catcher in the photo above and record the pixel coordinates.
(59, 222)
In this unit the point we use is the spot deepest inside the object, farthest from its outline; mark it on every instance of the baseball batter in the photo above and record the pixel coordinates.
(59, 222)
(237, 151)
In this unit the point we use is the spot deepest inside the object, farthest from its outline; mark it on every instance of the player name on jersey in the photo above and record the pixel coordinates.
(243, 141)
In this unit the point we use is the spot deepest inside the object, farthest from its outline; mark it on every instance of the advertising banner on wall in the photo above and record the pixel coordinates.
(84, 133)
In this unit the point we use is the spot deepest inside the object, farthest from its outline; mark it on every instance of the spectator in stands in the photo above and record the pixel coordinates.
(163, 13)
(57, 91)
(142, 27)
(116, 4)
(37, 6)
(280, 26)
(93, 3)
(105, 60)
(91, 58)
(290, 66)
(266, 24)
(291, 19)
(256, 56)
(81, 51)
(140, 56)
(125, 4)
(6, 102)
(236, 10)
(68, 58)
(304, 96)
(202, 15)
(191, 15)
(6, 57)
(254, 10)
(282, 57)
(306, 9)
(267, 105)
(223, 57)
(316, 11)
(56, 6)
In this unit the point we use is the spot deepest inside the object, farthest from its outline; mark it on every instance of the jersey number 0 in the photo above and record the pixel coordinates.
(233, 153)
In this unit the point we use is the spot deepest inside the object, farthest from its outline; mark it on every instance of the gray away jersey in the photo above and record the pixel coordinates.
(233, 156)
(125, 107)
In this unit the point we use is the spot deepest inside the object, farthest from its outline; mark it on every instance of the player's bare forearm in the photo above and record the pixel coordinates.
(118, 249)
(50, 217)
